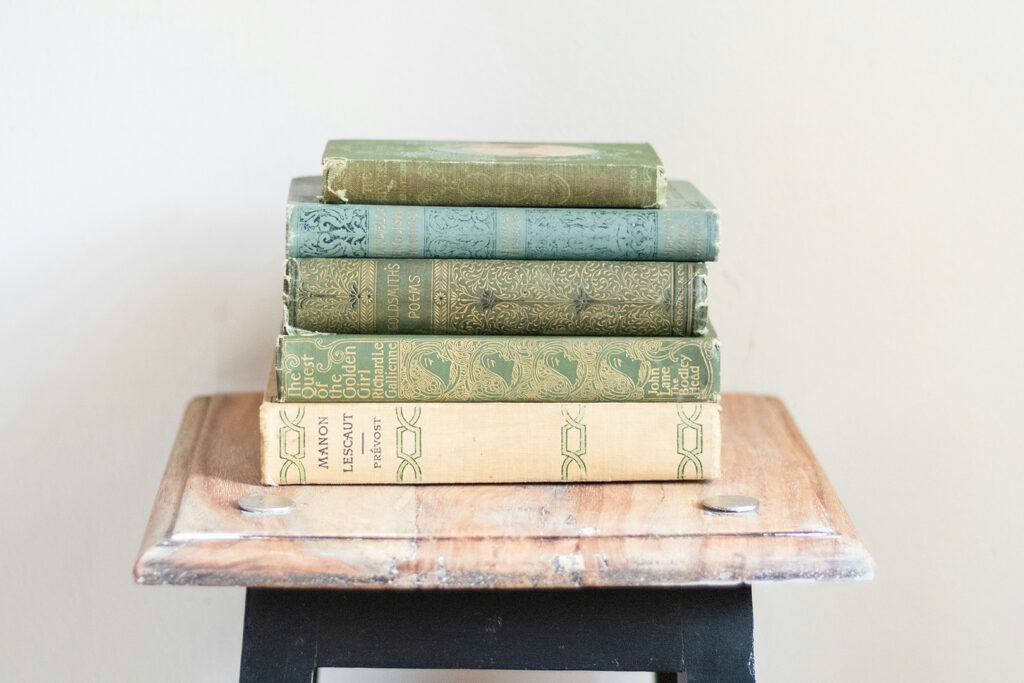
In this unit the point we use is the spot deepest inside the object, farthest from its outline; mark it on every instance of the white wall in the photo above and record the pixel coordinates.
(867, 161)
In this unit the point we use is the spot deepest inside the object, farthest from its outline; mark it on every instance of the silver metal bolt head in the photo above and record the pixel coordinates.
(731, 503)
(261, 504)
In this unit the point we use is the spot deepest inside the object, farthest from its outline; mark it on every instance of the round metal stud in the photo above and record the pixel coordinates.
(260, 504)
(731, 503)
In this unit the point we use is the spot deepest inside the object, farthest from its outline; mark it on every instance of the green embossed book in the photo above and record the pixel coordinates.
(385, 368)
(455, 296)
(465, 443)
(684, 229)
(453, 173)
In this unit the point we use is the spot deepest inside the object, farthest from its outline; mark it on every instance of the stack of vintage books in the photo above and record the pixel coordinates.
(461, 312)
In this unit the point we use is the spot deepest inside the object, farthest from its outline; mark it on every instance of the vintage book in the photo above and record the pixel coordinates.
(452, 173)
(384, 368)
(458, 296)
(684, 229)
(464, 443)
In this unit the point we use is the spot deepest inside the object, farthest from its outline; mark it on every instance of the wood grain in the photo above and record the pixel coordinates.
(500, 536)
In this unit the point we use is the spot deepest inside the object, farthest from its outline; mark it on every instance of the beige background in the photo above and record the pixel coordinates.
(867, 161)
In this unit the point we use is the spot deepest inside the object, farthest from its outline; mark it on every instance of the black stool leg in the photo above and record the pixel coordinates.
(278, 643)
(706, 632)
(718, 640)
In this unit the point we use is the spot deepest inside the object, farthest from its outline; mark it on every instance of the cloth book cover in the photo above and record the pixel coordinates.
(465, 296)
(459, 173)
(383, 368)
(464, 443)
(684, 229)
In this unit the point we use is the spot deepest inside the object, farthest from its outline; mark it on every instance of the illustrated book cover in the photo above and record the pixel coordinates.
(385, 368)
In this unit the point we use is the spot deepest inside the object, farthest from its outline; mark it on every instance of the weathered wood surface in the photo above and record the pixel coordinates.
(499, 536)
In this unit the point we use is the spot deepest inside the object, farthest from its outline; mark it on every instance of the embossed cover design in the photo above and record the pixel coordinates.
(684, 229)
(446, 296)
(454, 173)
(464, 443)
(369, 368)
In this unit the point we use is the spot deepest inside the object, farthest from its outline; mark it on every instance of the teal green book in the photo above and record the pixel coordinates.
(461, 296)
(459, 173)
(684, 229)
(385, 368)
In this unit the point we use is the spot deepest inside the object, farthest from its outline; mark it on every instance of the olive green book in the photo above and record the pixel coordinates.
(385, 368)
(466, 443)
(457, 173)
(462, 296)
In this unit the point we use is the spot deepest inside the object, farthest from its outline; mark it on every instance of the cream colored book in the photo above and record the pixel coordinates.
(463, 443)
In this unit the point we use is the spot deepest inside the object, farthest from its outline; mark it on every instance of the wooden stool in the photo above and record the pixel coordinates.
(617, 577)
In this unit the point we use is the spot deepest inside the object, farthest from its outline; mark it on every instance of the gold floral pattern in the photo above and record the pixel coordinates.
(497, 297)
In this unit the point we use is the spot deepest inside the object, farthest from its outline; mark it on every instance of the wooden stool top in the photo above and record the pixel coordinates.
(496, 536)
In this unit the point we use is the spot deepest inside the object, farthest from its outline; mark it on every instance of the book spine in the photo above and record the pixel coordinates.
(386, 368)
(456, 443)
(447, 296)
(485, 183)
(361, 231)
